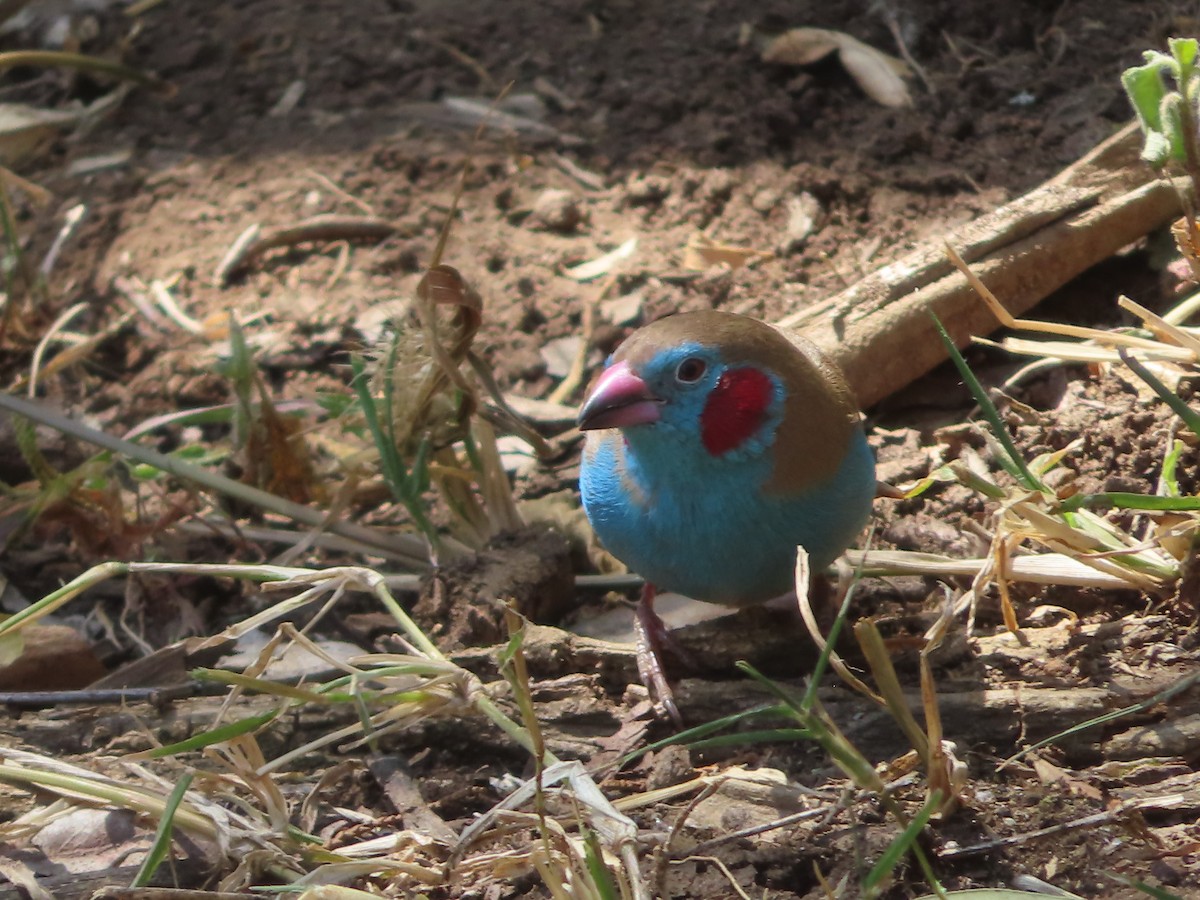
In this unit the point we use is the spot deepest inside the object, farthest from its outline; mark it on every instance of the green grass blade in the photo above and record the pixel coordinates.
(701, 732)
(898, 848)
(1011, 459)
(601, 877)
(1122, 500)
(1149, 890)
(1189, 416)
(216, 736)
(162, 837)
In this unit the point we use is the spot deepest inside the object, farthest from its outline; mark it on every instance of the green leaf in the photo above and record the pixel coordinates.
(1184, 51)
(1145, 88)
(601, 877)
(1170, 481)
(1190, 417)
(12, 645)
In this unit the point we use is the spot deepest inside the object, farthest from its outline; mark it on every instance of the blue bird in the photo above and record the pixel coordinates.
(715, 445)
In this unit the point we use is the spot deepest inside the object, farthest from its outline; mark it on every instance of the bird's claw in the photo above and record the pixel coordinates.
(652, 639)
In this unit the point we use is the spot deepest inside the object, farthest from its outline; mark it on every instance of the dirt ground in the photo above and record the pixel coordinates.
(654, 121)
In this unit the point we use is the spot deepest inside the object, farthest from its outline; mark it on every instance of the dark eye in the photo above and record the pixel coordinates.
(690, 370)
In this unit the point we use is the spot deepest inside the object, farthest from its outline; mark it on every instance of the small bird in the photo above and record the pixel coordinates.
(715, 445)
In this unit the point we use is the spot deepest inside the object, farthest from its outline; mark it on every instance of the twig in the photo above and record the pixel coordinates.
(155, 696)
(76, 351)
(466, 59)
(70, 222)
(62, 59)
(1104, 818)
(334, 188)
(132, 293)
(574, 377)
(236, 251)
(879, 331)
(889, 16)
(590, 180)
(319, 228)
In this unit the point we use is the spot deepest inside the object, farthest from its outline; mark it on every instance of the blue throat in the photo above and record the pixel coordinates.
(703, 526)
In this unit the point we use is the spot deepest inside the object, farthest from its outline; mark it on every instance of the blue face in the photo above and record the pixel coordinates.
(682, 377)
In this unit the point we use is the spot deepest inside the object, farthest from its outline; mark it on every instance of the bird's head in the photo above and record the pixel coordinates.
(684, 391)
(732, 385)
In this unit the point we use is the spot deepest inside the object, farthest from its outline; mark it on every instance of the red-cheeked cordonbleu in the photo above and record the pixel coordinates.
(715, 445)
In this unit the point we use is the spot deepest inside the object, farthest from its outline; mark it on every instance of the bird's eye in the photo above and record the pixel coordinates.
(690, 370)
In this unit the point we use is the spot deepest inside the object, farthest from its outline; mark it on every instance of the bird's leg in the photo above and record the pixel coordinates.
(652, 639)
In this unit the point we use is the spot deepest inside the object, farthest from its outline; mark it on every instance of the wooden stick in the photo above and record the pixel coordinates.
(879, 330)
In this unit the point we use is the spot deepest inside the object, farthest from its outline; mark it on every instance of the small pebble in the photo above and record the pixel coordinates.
(556, 210)
(646, 189)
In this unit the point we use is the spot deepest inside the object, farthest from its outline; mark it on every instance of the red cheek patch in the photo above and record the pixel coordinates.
(735, 410)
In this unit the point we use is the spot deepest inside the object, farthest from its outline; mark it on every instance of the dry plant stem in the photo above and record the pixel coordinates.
(60, 59)
(39, 352)
(165, 893)
(127, 796)
(889, 16)
(575, 376)
(134, 293)
(318, 228)
(876, 653)
(38, 194)
(74, 352)
(71, 222)
(879, 331)
(814, 630)
(1103, 818)
(409, 548)
(1044, 568)
(1162, 326)
(364, 579)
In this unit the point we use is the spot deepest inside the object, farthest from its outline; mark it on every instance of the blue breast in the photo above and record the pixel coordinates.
(703, 527)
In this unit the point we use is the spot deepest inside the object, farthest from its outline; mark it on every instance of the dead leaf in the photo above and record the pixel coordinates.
(1188, 241)
(559, 354)
(1050, 774)
(623, 310)
(601, 265)
(702, 252)
(879, 75)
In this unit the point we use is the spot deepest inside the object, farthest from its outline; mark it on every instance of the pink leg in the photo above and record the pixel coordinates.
(652, 639)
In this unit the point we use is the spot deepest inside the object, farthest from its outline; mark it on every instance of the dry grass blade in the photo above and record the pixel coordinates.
(1042, 568)
(395, 690)
(432, 405)
(408, 548)
(617, 831)
(197, 814)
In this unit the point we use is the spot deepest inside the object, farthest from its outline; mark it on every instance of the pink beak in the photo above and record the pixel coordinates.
(617, 400)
